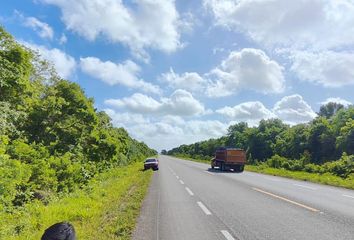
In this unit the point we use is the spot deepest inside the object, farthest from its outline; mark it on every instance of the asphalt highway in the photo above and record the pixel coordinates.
(190, 201)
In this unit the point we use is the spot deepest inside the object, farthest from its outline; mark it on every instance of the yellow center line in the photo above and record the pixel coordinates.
(286, 200)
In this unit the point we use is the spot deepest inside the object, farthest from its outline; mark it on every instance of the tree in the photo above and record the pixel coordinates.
(15, 70)
(345, 141)
(321, 141)
(330, 109)
(63, 119)
(236, 135)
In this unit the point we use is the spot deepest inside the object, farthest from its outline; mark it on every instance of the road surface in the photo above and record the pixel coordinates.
(189, 201)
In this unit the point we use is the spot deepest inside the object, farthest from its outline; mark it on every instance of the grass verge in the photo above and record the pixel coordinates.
(326, 178)
(106, 209)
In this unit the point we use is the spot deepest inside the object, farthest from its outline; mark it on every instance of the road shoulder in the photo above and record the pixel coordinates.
(147, 223)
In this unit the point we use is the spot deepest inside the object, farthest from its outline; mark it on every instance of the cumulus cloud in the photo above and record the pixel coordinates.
(247, 69)
(125, 73)
(251, 112)
(180, 103)
(141, 24)
(125, 119)
(293, 109)
(42, 28)
(188, 80)
(328, 68)
(64, 64)
(337, 100)
(281, 23)
(315, 33)
(208, 128)
(168, 131)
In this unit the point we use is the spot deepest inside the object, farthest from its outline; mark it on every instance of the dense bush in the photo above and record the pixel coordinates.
(52, 139)
(316, 147)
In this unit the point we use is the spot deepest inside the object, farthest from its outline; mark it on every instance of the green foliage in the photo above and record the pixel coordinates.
(52, 139)
(317, 147)
(13, 174)
(15, 69)
(330, 109)
(105, 209)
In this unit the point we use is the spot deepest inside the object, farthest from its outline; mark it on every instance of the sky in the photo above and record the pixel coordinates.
(177, 72)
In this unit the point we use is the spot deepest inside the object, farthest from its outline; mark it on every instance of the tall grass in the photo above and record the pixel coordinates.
(106, 209)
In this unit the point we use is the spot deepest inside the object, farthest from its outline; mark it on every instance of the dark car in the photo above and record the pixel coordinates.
(151, 163)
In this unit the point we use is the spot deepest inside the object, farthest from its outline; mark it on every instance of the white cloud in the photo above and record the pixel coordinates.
(64, 64)
(125, 119)
(290, 109)
(146, 23)
(337, 100)
(328, 68)
(169, 131)
(136, 103)
(188, 80)
(42, 28)
(315, 34)
(320, 24)
(112, 73)
(251, 112)
(180, 103)
(165, 131)
(247, 69)
(293, 109)
(207, 129)
(63, 39)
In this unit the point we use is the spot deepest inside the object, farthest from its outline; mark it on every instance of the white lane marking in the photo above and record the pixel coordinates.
(345, 195)
(204, 208)
(287, 200)
(210, 173)
(177, 177)
(181, 181)
(227, 235)
(172, 171)
(299, 185)
(189, 191)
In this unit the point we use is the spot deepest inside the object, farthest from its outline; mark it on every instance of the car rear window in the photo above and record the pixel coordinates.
(150, 160)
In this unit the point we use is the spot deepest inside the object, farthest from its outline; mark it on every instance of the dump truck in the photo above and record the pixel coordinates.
(229, 158)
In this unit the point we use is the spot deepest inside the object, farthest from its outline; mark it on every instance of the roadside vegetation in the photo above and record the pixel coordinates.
(106, 208)
(53, 143)
(320, 151)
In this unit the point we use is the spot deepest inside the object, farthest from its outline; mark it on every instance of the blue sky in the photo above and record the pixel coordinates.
(175, 72)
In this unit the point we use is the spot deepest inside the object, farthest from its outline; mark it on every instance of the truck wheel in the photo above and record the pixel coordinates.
(241, 168)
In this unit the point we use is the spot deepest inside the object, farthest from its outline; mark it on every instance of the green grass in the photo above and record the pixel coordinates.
(326, 178)
(106, 209)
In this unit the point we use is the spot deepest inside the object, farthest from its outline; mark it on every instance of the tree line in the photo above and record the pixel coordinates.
(325, 144)
(52, 139)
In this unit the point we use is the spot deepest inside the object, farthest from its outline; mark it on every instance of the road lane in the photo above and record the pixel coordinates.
(237, 208)
(171, 212)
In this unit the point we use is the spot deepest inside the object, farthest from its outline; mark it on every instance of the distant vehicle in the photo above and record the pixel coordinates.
(151, 163)
(229, 158)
